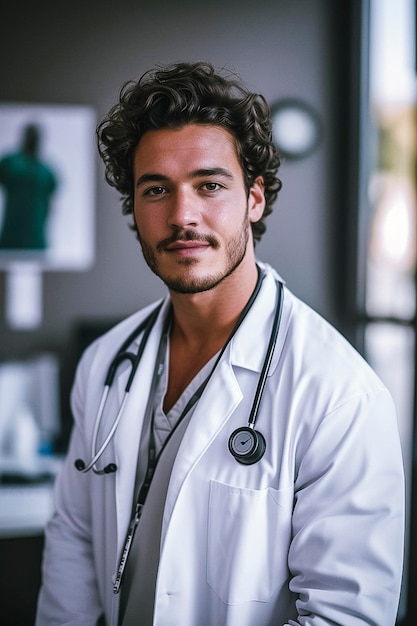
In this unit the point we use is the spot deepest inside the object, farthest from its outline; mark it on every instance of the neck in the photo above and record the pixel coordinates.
(202, 324)
(208, 318)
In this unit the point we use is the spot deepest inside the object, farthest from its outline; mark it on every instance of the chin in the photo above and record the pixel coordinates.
(189, 282)
(192, 285)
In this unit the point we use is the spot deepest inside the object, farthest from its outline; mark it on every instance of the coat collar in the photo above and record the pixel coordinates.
(248, 347)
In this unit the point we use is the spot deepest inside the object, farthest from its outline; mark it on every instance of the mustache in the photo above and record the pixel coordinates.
(187, 235)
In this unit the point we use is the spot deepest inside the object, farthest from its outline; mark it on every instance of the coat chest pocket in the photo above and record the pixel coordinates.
(249, 534)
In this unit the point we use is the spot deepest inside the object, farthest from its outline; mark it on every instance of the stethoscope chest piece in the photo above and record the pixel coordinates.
(247, 445)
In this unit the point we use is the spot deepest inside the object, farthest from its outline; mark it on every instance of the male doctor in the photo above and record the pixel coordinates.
(252, 476)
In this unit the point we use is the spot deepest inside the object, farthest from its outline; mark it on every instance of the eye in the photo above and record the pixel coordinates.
(210, 186)
(155, 191)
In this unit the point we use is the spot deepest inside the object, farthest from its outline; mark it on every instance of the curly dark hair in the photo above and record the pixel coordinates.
(190, 93)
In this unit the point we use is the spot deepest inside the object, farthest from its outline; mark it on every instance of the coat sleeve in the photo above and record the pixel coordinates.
(69, 593)
(348, 521)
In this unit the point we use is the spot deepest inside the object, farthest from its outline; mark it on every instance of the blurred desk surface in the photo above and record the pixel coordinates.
(26, 495)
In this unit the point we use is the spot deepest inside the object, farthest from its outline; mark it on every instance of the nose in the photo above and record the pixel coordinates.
(184, 210)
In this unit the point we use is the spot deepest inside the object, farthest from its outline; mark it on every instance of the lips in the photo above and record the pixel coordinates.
(187, 242)
(187, 245)
(187, 249)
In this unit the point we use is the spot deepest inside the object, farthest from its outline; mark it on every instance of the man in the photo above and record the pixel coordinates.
(28, 185)
(247, 479)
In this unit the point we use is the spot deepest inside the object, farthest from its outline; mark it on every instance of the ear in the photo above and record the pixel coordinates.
(256, 200)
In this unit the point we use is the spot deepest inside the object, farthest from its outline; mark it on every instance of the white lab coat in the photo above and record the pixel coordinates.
(312, 534)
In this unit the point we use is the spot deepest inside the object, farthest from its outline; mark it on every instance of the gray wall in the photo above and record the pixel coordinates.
(81, 52)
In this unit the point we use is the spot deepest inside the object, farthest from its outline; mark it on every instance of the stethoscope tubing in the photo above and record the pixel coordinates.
(268, 359)
(123, 354)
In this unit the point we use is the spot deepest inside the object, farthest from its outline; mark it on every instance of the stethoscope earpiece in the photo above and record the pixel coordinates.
(82, 467)
(79, 465)
(247, 445)
(110, 468)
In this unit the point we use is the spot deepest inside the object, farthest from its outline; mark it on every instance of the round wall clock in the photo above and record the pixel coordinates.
(296, 128)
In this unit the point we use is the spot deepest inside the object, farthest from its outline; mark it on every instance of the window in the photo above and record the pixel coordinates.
(386, 229)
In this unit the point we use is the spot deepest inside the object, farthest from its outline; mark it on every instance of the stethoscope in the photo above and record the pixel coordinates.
(246, 444)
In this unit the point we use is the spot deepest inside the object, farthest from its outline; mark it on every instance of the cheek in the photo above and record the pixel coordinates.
(229, 216)
(145, 222)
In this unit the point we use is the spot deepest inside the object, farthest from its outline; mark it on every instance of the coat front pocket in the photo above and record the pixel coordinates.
(249, 534)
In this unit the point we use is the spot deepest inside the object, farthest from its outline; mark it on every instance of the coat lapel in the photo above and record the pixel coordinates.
(219, 400)
(223, 393)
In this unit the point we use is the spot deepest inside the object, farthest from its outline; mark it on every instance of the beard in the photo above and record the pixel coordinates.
(187, 283)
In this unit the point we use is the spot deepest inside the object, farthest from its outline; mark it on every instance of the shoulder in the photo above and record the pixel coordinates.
(317, 353)
(313, 352)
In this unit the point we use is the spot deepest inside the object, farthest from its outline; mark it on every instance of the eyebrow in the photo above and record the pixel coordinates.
(211, 171)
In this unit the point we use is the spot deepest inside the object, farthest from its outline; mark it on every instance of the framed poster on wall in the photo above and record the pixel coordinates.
(47, 185)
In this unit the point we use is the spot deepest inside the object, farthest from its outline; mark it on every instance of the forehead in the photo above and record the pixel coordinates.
(205, 143)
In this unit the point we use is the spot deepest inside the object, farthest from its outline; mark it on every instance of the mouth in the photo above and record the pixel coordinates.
(187, 248)
(188, 244)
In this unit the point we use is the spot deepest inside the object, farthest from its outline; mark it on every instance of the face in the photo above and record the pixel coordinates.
(191, 208)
